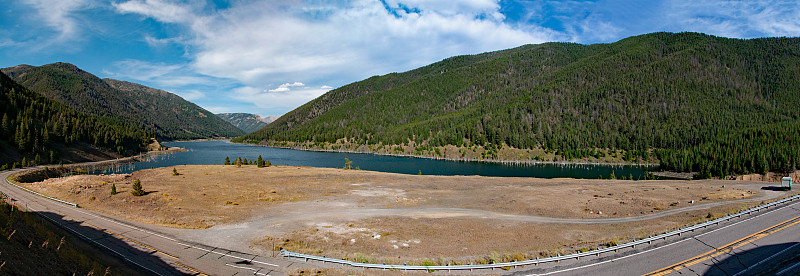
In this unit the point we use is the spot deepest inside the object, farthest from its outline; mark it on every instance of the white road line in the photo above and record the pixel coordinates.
(787, 269)
(227, 255)
(78, 233)
(168, 238)
(253, 269)
(174, 240)
(660, 247)
(767, 259)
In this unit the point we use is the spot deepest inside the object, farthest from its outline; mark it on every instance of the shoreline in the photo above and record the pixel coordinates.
(89, 166)
(201, 140)
(476, 160)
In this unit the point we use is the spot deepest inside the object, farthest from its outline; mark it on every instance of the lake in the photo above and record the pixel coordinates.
(214, 152)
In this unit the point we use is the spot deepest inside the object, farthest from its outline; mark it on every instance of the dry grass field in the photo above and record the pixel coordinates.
(395, 218)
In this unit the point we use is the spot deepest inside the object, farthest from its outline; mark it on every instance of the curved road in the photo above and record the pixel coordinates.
(152, 251)
(759, 242)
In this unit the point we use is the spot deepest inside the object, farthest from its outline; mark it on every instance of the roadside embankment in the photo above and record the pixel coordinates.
(53, 171)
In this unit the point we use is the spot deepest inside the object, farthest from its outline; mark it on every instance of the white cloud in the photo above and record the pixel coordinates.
(742, 19)
(60, 16)
(191, 95)
(161, 42)
(160, 74)
(258, 43)
(219, 109)
(286, 87)
(276, 102)
(261, 42)
(160, 10)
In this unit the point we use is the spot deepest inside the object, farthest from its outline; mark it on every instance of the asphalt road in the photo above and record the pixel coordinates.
(765, 242)
(151, 251)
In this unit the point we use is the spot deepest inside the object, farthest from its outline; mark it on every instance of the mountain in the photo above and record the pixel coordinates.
(679, 99)
(168, 115)
(246, 122)
(38, 130)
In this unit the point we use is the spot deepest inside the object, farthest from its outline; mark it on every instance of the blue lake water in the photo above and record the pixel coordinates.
(214, 152)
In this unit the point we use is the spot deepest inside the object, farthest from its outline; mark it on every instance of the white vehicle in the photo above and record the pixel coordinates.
(786, 183)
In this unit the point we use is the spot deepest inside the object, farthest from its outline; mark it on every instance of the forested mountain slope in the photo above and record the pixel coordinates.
(701, 103)
(168, 115)
(40, 130)
(245, 121)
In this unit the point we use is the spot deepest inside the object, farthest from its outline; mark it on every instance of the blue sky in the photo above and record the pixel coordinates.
(269, 57)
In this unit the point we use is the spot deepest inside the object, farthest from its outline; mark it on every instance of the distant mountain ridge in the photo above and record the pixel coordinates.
(247, 122)
(38, 130)
(168, 115)
(686, 100)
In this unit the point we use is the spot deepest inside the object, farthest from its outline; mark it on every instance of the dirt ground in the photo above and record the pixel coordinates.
(396, 218)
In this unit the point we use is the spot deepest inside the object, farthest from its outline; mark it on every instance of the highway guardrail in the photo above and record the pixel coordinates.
(44, 196)
(596, 252)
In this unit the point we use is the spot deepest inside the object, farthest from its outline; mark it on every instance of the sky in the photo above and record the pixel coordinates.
(268, 57)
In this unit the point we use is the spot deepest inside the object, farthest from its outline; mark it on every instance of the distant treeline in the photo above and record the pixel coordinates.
(701, 103)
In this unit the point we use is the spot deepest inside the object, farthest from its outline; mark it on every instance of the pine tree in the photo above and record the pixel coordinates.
(227, 161)
(260, 162)
(6, 125)
(612, 176)
(113, 189)
(137, 188)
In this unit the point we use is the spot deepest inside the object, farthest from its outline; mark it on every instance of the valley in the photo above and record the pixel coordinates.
(488, 137)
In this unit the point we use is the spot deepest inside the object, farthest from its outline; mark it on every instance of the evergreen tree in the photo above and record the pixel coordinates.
(113, 189)
(6, 125)
(260, 162)
(137, 188)
(227, 161)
